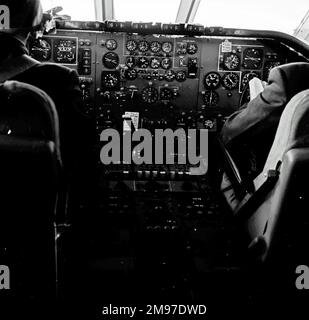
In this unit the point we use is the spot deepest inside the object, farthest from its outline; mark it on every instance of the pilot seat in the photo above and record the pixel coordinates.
(30, 164)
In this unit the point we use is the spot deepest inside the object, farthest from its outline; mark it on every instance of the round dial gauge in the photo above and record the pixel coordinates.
(131, 45)
(212, 80)
(268, 66)
(155, 46)
(181, 48)
(130, 74)
(211, 98)
(192, 48)
(166, 94)
(111, 44)
(170, 75)
(167, 47)
(110, 60)
(181, 76)
(41, 50)
(143, 62)
(231, 61)
(166, 63)
(247, 77)
(143, 46)
(110, 80)
(253, 58)
(130, 62)
(65, 51)
(154, 63)
(150, 94)
(230, 80)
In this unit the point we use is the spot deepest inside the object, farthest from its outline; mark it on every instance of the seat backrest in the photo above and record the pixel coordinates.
(26, 111)
(293, 125)
(279, 219)
(29, 164)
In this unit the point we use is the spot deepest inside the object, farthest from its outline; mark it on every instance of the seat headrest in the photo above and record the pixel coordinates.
(28, 112)
(293, 126)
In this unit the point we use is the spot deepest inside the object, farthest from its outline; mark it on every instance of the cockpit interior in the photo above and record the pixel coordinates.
(158, 236)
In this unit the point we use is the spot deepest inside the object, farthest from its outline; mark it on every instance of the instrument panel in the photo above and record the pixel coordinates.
(169, 80)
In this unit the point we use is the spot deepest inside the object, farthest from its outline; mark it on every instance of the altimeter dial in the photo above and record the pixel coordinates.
(212, 80)
(230, 80)
(231, 61)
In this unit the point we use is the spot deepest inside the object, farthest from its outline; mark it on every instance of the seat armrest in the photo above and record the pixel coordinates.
(252, 201)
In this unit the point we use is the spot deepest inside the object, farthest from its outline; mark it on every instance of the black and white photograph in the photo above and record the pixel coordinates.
(154, 159)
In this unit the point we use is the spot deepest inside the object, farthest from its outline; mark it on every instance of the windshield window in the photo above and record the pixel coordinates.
(77, 10)
(277, 15)
(146, 10)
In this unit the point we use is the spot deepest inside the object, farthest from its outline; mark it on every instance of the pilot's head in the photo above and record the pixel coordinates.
(25, 15)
